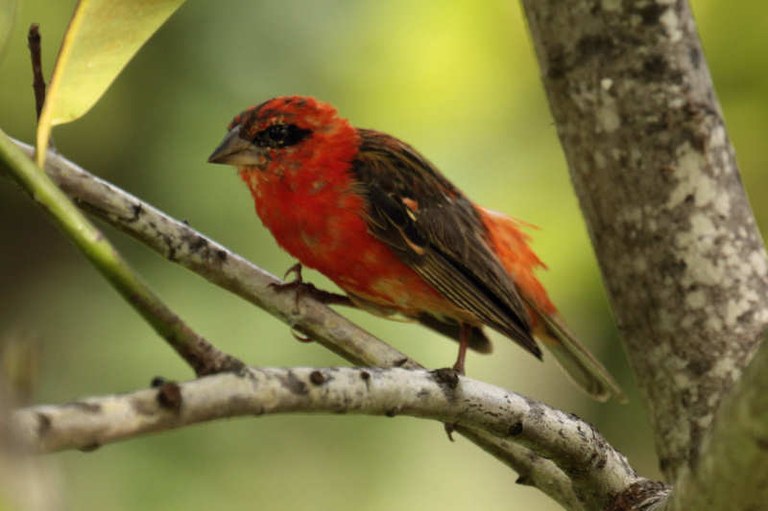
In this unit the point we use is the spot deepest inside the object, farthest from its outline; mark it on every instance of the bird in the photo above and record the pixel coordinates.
(378, 219)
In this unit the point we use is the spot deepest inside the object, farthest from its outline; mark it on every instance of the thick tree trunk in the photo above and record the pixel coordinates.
(731, 472)
(657, 181)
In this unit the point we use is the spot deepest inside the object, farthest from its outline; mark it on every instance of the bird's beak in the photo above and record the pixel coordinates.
(234, 150)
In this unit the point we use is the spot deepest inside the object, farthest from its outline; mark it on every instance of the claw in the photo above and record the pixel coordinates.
(301, 338)
(306, 289)
(449, 429)
(297, 285)
(296, 270)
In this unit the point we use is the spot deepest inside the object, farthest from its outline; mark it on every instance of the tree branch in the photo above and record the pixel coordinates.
(178, 242)
(597, 470)
(181, 244)
(532, 470)
(658, 184)
(201, 355)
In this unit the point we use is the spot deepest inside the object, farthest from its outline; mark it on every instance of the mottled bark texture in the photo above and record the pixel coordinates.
(599, 473)
(731, 472)
(657, 181)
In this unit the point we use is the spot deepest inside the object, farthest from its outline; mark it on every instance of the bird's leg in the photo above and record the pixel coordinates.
(450, 377)
(302, 288)
(465, 331)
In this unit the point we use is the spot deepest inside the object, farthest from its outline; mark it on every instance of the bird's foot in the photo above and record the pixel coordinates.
(296, 282)
(450, 427)
(302, 289)
(447, 376)
(301, 337)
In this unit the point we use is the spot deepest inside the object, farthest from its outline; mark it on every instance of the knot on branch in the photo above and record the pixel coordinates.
(644, 495)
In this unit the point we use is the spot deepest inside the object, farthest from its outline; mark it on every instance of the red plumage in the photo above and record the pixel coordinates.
(378, 219)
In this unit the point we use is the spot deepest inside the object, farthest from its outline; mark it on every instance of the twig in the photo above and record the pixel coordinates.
(532, 470)
(573, 445)
(203, 357)
(38, 82)
(179, 243)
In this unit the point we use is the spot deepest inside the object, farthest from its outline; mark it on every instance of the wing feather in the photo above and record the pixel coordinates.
(437, 231)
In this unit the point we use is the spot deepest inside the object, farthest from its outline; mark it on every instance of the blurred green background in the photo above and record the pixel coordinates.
(456, 79)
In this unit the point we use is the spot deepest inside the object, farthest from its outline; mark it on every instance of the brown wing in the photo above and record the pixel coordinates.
(435, 229)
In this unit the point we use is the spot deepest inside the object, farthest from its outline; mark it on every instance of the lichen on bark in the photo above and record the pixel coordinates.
(658, 183)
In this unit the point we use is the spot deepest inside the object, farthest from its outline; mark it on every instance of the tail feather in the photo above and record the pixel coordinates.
(583, 368)
(511, 245)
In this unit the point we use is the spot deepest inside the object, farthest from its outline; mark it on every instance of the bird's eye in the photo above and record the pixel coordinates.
(281, 135)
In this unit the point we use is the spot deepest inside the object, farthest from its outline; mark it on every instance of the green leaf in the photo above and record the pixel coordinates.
(7, 18)
(102, 37)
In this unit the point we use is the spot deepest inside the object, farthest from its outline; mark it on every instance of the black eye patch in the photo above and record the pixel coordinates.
(281, 135)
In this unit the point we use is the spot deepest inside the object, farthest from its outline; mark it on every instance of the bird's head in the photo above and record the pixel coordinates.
(286, 132)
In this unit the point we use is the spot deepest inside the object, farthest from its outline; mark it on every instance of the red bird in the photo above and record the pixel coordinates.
(377, 218)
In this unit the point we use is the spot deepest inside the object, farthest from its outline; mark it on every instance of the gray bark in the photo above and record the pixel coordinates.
(598, 471)
(657, 180)
(731, 472)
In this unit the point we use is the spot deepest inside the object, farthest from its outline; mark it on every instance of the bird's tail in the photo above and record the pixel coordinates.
(511, 245)
(583, 368)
